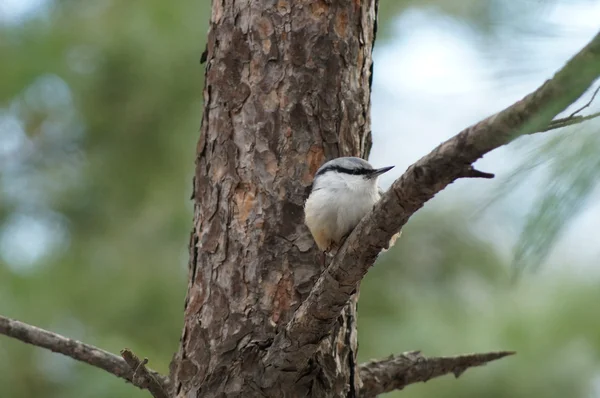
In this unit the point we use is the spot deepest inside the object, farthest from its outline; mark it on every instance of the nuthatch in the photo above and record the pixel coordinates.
(344, 190)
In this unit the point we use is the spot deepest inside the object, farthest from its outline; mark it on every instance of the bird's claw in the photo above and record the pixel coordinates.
(332, 250)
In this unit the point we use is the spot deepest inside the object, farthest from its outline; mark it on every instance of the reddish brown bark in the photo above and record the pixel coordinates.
(287, 87)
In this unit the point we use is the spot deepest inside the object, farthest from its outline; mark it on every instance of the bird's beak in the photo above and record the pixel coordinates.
(378, 172)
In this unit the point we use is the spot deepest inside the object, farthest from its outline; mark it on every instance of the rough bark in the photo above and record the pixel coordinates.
(287, 87)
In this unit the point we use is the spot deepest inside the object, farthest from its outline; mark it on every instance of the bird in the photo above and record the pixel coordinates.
(343, 191)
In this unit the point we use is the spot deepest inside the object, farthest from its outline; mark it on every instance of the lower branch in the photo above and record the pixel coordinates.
(79, 351)
(398, 371)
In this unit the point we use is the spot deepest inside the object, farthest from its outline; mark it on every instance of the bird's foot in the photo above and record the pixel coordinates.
(332, 250)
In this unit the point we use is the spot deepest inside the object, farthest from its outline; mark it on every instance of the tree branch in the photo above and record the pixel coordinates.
(85, 353)
(587, 105)
(313, 320)
(396, 372)
(143, 377)
(568, 121)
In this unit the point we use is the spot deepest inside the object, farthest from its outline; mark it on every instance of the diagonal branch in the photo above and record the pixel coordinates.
(396, 372)
(313, 320)
(82, 352)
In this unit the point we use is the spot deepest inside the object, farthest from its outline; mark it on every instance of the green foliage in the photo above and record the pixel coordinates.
(565, 165)
(108, 97)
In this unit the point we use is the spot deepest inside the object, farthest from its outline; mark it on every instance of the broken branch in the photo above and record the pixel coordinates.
(144, 377)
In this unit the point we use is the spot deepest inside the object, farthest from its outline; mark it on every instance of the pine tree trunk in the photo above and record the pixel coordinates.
(287, 87)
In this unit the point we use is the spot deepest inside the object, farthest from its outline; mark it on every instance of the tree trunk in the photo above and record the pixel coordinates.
(287, 88)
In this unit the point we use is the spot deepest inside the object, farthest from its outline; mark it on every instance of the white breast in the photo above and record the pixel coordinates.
(337, 204)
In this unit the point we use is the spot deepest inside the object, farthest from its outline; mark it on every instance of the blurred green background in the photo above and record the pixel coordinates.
(100, 106)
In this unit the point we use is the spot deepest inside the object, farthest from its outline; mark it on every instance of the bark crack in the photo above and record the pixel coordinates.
(350, 327)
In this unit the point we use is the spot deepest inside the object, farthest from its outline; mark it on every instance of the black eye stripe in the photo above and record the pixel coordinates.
(340, 169)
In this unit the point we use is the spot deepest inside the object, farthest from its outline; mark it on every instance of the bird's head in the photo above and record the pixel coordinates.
(348, 172)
